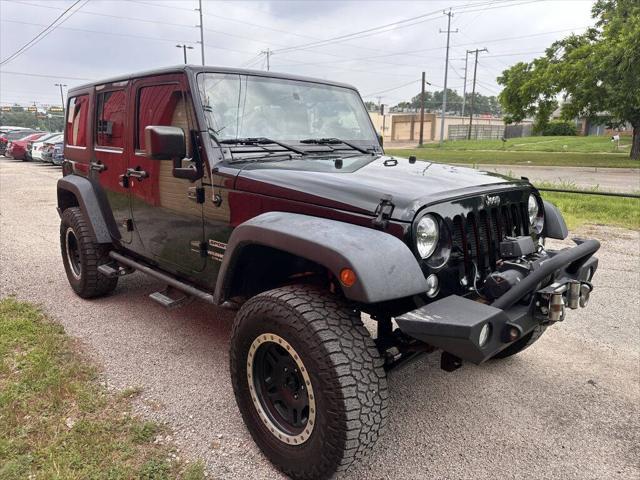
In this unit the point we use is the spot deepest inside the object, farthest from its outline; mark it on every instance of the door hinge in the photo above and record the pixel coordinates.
(196, 194)
(128, 225)
(200, 247)
(383, 212)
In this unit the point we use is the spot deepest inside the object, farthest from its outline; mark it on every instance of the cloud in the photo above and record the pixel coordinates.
(141, 34)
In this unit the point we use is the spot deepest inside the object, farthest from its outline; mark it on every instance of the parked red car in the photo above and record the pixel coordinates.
(17, 149)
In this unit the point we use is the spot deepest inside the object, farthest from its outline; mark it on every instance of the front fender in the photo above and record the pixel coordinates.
(385, 267)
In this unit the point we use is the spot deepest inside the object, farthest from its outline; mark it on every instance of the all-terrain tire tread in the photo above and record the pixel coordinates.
(93, 283)
(351, 356)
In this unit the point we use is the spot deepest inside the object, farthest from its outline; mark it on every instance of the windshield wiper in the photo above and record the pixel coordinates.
(261, 141)
(334, 141)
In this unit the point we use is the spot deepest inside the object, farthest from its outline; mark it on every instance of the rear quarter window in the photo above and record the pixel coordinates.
(110, 115)
(76, 127)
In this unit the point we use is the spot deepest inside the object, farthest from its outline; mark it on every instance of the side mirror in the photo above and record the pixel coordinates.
(380, 139)
(164, 143)
(168, 143)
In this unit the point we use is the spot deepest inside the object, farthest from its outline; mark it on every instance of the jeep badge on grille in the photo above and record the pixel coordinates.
(492, 200)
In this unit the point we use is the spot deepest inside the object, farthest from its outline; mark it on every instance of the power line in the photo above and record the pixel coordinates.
(31, 74)
(50, 28)
(115, 34)
(392, 88)
(385, 28)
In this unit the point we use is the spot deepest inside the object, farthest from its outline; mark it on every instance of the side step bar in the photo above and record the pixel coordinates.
(177, 284)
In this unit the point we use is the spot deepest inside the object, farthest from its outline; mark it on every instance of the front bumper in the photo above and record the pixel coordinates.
(454, 323)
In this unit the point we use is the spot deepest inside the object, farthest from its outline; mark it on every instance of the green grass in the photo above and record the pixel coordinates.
(580, 209)
(542, 151)
(590, 144)
(57, 422)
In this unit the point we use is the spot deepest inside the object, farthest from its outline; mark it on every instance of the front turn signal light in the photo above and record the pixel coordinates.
(348, 277)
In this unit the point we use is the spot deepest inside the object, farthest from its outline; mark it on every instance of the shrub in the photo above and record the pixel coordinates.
(556, 128)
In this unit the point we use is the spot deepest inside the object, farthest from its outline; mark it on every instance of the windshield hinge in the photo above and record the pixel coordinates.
(383, 212)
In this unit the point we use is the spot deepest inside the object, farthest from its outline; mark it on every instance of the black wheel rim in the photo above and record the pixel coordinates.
(73, 253)
(281, 389)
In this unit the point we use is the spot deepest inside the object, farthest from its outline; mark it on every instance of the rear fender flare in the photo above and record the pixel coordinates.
(385, 267)
(92, 203)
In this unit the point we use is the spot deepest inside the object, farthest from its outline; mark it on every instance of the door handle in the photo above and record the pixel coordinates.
(135, 173)
(97, 167)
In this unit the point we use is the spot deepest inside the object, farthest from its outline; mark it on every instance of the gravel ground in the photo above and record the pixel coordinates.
(566, 408)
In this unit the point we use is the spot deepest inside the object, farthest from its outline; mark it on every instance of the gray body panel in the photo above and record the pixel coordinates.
(392, 273)
(101, 223)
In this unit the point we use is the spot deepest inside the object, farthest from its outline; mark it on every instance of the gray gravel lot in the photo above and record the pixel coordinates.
(566, 408)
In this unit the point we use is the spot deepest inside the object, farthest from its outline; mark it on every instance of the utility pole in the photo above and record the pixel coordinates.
(473, 93)
(201, 30)
(267, 52)
(61, 95)
(184, 50)
(464, 88)
(422, 110)
(446, 71)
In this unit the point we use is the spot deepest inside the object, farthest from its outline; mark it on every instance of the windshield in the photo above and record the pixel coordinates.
(245, 106)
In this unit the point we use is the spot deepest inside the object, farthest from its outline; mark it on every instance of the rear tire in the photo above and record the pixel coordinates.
(82, 255)
(313, 340)
(522, 344)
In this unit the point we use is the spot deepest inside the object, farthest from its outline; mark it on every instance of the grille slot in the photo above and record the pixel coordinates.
(476, 236)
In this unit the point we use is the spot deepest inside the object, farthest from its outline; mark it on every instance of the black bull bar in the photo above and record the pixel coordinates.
(455, 324)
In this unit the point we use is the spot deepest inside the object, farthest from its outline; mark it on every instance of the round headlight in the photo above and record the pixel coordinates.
(427, 236)
(535, 218)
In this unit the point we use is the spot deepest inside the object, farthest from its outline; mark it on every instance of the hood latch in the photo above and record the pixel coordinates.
(383, 212)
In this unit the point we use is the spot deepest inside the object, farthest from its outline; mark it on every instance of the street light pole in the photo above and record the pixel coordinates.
(473, 92)
(464, 88)
(446, 71)
(184, 50)
(61, 95)
(201, 30)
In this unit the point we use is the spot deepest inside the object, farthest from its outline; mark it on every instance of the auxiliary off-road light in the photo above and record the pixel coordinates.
(485, 331)
(433, 285)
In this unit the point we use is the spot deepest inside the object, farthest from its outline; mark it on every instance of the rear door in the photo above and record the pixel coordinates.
(166, 217)
(111, 150)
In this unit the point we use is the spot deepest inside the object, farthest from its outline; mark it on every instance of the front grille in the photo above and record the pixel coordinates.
(476, 235)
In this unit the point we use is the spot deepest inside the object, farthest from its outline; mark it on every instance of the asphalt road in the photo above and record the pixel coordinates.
(566, 408)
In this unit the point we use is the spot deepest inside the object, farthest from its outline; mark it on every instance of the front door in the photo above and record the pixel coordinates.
(166, 217)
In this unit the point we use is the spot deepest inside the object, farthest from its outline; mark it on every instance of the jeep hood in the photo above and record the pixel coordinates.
(358, 183)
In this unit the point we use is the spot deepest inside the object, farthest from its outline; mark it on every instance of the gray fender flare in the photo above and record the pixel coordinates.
(91, 203)
(554, 224)
(385, 267)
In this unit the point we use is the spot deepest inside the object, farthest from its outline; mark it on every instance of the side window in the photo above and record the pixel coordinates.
(160, 105)
(110, 115)
(76, 128)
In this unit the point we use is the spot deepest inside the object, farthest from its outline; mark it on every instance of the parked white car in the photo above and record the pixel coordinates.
(36, 150)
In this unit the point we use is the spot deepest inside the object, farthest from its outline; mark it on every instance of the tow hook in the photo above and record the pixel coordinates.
(572, 294)
(556, 307)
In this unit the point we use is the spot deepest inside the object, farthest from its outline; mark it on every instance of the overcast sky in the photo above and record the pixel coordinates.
(109, 37)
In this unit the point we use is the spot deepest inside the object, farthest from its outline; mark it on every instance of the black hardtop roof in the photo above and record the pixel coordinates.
(197, 69)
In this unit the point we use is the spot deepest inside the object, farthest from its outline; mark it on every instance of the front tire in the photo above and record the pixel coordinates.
(308, 380)
(82, 255)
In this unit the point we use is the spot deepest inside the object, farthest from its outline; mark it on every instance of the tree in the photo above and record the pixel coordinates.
(596, 73)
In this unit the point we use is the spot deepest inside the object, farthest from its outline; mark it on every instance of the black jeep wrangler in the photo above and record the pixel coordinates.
(271, 194)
